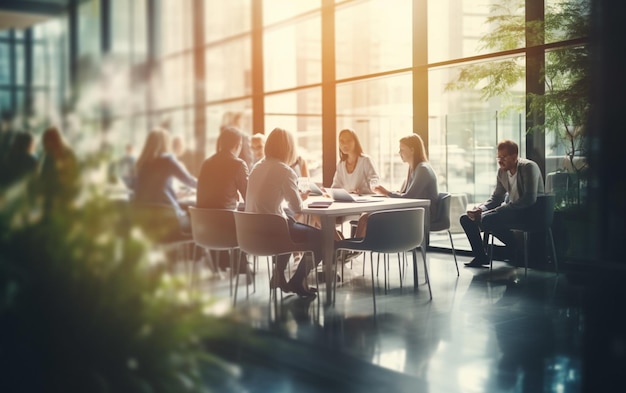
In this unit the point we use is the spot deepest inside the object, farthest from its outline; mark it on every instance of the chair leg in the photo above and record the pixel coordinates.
(556, 262)
(423, 250)
(373, 286)
(456, 264)
(525, 254)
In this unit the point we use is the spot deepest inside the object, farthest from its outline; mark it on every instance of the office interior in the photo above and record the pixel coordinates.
(108, 71)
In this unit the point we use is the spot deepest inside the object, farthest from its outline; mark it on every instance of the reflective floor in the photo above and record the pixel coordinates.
(483, 331)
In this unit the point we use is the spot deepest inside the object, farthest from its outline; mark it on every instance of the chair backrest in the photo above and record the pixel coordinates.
(397, 230)
(442, 221)
(264, 234)
(540, 215)
(213, 228)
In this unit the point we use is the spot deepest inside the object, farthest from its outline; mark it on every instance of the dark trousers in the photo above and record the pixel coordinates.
(302, 233)
(496, 223)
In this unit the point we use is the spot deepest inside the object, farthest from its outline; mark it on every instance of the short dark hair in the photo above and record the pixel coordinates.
(229, 138)
(508, 145)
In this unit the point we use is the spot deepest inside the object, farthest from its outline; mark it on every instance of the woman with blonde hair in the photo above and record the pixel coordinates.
(156, 168)
(420, 182)
(272, 182)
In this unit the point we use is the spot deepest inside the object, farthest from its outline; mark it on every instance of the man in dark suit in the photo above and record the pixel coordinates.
(519, 181)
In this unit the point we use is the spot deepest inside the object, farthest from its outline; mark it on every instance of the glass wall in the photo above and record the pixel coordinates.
(260, 65)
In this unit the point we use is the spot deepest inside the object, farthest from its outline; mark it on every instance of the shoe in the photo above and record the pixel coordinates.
(476, 262)
(280, 284)
(301, 291)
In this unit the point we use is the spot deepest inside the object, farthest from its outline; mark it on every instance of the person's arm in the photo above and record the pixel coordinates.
(291, 192)
(181, 173)
(304, 168)
(421, 184)
(241, 179)
(338, 177)
(370, 173)
(498, 194)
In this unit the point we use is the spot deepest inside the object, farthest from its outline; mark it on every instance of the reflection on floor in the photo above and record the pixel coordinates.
(482, 332)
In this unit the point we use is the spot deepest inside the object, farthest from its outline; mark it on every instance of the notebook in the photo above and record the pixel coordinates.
(341, 195)
(315, 190)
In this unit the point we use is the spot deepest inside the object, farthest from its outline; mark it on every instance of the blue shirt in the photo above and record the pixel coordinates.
(154, 181)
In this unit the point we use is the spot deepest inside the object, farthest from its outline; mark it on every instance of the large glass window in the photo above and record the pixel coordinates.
(379, 110)
(461, 25)
(177, 27)
(372, 36)
(278, 10)
(466, 122)
(226, 18)
(292, 54)
(299, 112)
(228, 70)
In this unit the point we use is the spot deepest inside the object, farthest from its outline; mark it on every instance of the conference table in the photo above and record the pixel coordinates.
(328, 218)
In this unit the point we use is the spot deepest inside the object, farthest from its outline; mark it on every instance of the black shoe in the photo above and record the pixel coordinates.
(476, 262)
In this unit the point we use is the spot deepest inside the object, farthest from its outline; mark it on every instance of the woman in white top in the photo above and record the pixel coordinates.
(354, 169)
(271, 183)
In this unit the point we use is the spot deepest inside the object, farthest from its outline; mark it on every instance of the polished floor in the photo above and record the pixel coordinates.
(483, 331)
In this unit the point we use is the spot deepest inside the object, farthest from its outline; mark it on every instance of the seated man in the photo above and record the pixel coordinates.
(519, 181)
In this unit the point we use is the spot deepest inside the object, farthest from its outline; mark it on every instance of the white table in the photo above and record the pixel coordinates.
(329, 215)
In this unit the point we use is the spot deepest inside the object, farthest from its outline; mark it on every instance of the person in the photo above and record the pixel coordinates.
(223, 179)
(59, 174)
(156, 168)
(126, 167)
(21, 160)
(354, 169)
(420, 182)
(271, 183)
(184, 155)
(518, 183)
(257, 144)
(235, 119)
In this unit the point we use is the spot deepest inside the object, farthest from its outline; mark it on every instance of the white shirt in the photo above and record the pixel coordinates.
(513, 192)
(270, 183)
(359, 179)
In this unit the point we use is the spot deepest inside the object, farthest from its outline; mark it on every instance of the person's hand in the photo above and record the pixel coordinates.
(474, 214)
(305, 195)
(382, 190)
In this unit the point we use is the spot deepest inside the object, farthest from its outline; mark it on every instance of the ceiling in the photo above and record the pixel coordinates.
(21, 14)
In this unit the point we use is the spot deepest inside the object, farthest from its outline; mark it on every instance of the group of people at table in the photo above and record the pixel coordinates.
(270, 185)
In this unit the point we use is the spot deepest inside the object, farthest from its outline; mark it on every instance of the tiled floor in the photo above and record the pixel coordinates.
(482, 332)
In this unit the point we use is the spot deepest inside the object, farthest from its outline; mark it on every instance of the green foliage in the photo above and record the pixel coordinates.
(565, 102)
(83, 310)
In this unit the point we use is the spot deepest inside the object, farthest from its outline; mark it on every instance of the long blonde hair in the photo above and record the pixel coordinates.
(158, 142)
(416, 143)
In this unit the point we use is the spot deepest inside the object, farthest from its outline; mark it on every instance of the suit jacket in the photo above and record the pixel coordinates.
(222, 177)
(529, 185)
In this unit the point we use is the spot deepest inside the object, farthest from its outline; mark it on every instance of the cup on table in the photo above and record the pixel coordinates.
(303, 184)
(373, 184)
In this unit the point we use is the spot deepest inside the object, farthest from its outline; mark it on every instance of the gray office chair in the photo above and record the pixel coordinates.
(442, 221)
(539, 219)
(214, 230)
(267, 235)
(390, 232)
